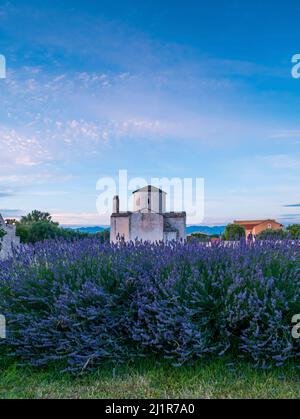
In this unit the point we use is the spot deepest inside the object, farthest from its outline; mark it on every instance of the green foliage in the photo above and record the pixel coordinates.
(69, 234)
(22, 230)
(272, 235)
(198, 237)
(37, 216)
(103, 236)
(294, 231)
(234, 232)
(36, 231)
(38, 226)
(42, 230)
(2, 233)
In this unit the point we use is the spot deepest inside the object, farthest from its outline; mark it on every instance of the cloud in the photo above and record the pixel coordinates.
(54, 113)
(36, 178)
(79, 218)
(286, 134)
(280, 161)
(5, 194)
(20, 149)
(11, 213)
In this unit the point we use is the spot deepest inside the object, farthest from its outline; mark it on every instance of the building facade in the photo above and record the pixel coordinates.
(9, 241)
(149, 220)
(256, 227)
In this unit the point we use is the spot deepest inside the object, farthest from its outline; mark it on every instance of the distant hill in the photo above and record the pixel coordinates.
(206, 230)
(191, 229)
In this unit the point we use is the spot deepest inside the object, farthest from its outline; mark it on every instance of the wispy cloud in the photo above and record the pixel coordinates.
(79, 218)
(281, 161)
(5, 194)
(11, 213)
(20, 150)
(36, 178)
(286, 134)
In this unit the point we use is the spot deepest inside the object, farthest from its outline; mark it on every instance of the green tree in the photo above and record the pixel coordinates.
(37, 216)
(294, 231)
(41, 231)
(234, 232)
(38, 226)
(22, 230)
(2, 233)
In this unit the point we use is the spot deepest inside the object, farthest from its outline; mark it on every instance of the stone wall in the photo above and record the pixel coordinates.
(177, 220)
(170, 236)
(120, 227)
(9, 241)
(147, 227)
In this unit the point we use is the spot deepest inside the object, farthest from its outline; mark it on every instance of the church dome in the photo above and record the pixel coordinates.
(149, 199)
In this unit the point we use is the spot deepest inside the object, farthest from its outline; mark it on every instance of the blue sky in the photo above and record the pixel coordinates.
(160, 88)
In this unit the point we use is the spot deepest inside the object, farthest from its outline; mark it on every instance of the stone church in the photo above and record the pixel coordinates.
(149, 220)
(9, 241)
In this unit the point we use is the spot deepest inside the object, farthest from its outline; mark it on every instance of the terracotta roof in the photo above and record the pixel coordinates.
(255, 222)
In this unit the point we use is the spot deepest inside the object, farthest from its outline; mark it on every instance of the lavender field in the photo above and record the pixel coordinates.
(82, 305)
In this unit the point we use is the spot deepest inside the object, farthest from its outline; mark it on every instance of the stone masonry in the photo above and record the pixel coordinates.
(9, 241)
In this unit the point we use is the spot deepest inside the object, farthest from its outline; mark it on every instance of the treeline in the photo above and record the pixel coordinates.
(38, 226)
(237, 232)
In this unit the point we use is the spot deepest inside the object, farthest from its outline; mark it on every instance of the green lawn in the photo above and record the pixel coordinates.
(146, 380)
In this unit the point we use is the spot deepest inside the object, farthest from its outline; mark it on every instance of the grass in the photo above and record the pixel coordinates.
(145, 379)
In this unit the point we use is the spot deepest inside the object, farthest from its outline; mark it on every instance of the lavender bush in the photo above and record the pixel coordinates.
(81, 304)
